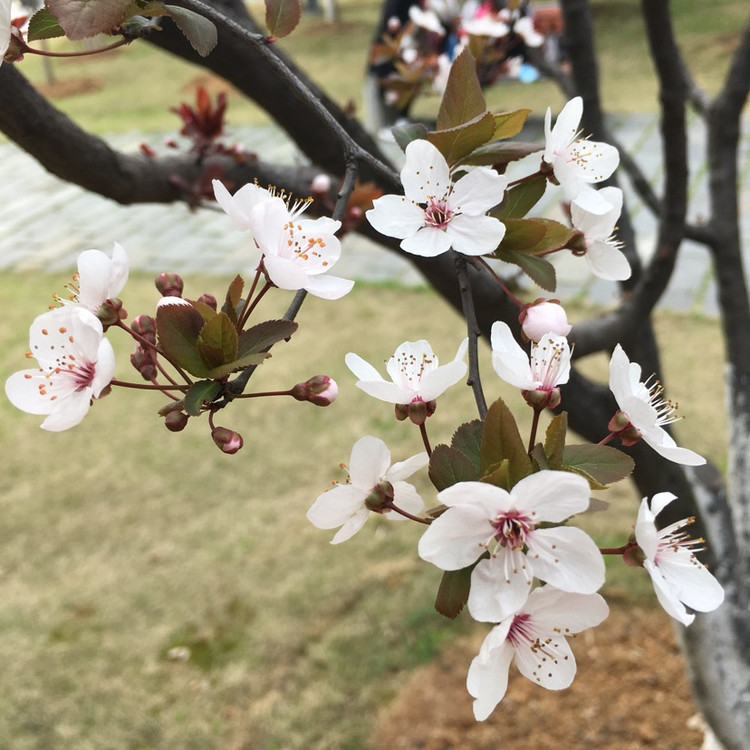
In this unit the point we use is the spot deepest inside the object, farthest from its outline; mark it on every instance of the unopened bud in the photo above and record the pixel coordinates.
(111, 312)
(169, 284)
(394, 24)
(144, 360)
(543, 317)
(320, 390)
(145, 326)
(321, 185)
(209, 300)
(228, 440)
(176, 421)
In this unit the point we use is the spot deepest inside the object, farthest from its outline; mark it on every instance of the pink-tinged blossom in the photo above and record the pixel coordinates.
(426, 19)
(535, 639)
(5, 11)
(543, 318)
(486, 26)
(603, 251)
(547, 367)
(416, 374)
(577, 162)
(76, 363)
(484, 518)
(298, 253)
(99, 278)
(646, 408)
(435, 214)
(679, 578)
(373, 484)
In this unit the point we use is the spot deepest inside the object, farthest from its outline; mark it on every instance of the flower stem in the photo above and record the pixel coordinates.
(512, 297)
(425, 439)
(146, 386)
(534, 427)
(467, 303)
(607, 439)
(250, 306)
(47, 53)
(405, 514)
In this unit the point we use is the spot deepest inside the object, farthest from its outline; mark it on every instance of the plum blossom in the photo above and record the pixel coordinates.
(544, 317)
(373, 487)
(524, 27)
(435, 214)
(577, 162)
(76, 363)
(546, 368)
(603, 253)
(485, 26)
(5, 12)
(239, 207)
(415, 372)
(646, 409)
(534, 638)
(484, 518)
(99, 278)
(297, 253)
(426, 19)
(678, 576)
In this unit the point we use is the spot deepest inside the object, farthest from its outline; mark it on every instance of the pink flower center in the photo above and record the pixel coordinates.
(437, 214)
(512, 529)
(672, 539)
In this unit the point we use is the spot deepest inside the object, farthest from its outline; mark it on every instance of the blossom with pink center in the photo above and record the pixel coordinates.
(543, 318)
(534, 638)
(435, 214)
(484, 518)
(577, 162)
(373, 485)
(546, 368)
(415, 372)
(679, 578)
(646, 408)
(603, 253)
(76, 363)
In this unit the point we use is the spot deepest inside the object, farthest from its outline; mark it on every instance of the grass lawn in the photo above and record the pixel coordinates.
(159, 594)
(133, 89)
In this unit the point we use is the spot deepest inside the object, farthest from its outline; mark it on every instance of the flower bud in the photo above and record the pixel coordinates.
(394, 24)
(144, 360)
(228, 440)
(320, 390)
(145, 326)
(543, 317)
(321, 185)
(111, 312)
(209, 300)
(169, 284)
(176, 421)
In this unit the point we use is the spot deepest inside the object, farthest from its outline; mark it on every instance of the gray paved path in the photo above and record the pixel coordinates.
(47, 222)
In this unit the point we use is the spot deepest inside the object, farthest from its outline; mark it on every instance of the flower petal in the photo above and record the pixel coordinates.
(285, 273)
(598, 226)
(406, 498)
(607, 261)
(475, 235)
(425, 173)
(500, 586)
(509, 361)
(477, 191)
(368, 463)
(565, 130)
(487, 679)
(551, 608)
(395, 216)
(362, 369)
(428, 242)
(333, 508)
(551, 496)
(552, 665)
(351, 526)
(328, 287)
(666, 595)
(404, 469)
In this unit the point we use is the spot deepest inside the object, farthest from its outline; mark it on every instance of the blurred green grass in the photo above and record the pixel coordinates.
(133, 89)
(122, 542)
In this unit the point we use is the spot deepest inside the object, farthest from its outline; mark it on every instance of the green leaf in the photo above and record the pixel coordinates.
(521, 235)
(43, 25)
(554, 440)
(539, 270)
(463, 99)
(265, 334)
(501, 440)
(449, 466)
(238, 364)
(468, 439)
(521, 198)
(217, 342)
(207, 313)
(500, 152)
(508, 124)
(602, 463)
(282, 16)
(178, 327)
(233, 298)
(453, 592)
(539, 457)
(455, 143)
(81, 19)
(499, 475)
(203, 390)
(410, 131)
(199, 31)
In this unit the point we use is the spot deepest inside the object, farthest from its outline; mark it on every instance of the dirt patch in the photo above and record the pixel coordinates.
(630, 693)
(70, 87)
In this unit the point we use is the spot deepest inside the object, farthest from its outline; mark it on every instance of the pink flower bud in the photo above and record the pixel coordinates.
(111, 312)
(394, 24)
(208, 299)
(544, 317)
(228, 440)
(321, 184)
(145, 326)
(320, 390)
(169, 284)
(144, 360)
(176, 421)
